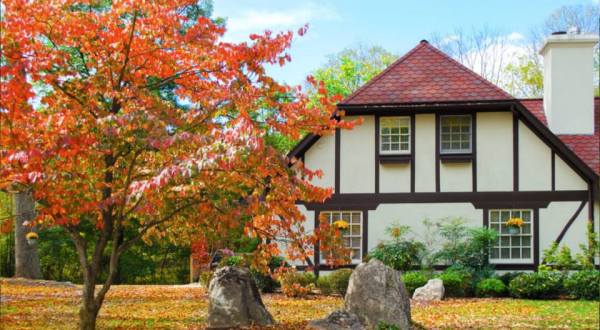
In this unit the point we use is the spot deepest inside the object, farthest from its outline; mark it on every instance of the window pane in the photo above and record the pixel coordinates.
(505, 253)
(355, 217)
(355, 242)
(516, 253)
(526, 253)
(355, 230)
(505, 241)
(495, 253)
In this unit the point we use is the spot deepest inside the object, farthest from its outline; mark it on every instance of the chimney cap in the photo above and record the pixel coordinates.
(565, 38)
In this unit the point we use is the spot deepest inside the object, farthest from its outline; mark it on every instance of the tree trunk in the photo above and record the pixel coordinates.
(88, 313)
(27, 261)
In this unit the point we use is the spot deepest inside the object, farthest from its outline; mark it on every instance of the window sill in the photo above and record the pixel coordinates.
(395, 159)
(456, 158)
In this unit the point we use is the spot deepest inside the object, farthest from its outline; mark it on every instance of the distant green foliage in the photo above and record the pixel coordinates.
(351, 68)
(490, 287)
(414, 280)
(537, 285)
(584, 284)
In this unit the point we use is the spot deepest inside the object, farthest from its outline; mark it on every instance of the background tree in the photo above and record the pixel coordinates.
(351, 68)
(150, 126)
(27, 260)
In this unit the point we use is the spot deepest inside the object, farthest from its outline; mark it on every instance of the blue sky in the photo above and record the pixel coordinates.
(396, 25)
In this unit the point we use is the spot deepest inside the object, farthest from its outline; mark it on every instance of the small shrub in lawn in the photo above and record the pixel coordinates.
(584, 284)
(324, 285)
(384, 326)
(205, 277)
(508, 276)
(297, 284)
(414, 280)
(264, 282)
(457, 283)
(538, 285)
(237, 261)
(339, 280)
(490, 287)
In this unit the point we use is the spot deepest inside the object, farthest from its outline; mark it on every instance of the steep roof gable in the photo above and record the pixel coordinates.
(424, 75)
(587, 147)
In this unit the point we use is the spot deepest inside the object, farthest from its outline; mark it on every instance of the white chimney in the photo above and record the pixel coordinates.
(569, 82)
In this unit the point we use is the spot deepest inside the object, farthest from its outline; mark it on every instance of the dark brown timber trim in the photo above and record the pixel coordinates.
(553, 169)
(481, 199)
(338, 138)
(365, 232)
(515, 152)
(316, 254)
(486, 217)
(570, 222)
(413, 153)
(536, 237)
(376, 154)
(591, 207)
(474, 149)
(437, 152)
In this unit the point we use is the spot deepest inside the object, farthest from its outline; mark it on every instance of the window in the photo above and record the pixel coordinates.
(455, 137)
(394, 135)
(353, 235)
(512, 245)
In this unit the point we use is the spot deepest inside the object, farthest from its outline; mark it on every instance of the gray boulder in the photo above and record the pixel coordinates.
(376, 294)
(234, 300)
(338, 320)
(433, 290)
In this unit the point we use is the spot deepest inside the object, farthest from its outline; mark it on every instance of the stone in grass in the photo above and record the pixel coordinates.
(433, 290)
(234, 300)
(376, 295)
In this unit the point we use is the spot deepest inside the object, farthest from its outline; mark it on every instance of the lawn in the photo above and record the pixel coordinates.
(24, 306)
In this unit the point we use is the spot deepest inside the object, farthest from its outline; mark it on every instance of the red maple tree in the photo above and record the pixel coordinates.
(133, 120)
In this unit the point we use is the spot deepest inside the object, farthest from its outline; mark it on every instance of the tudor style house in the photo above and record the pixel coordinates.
(438, 140)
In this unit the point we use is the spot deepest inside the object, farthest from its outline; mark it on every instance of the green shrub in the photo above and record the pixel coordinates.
(237, 261)
(205, 277)
(265, 282)
(400, 255)
(538, 285)
(414, 280)
(508, 276)
(339, 280)
(384, 326)
(584, 284)
(457, 283)
(490, 287)
(324, 285)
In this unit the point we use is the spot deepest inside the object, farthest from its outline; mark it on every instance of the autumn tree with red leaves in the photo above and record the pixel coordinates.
(133, 120)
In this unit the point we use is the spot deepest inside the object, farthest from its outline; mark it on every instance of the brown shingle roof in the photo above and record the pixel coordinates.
(424, 75)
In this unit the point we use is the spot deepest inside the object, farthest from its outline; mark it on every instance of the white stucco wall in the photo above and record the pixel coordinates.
(424, 153)
(413, 214)
(535, 161)
(494, 151)
(566, 178)
(322, 156)
(554, 218)
(394, 178)
(357, 152)
(456, 177)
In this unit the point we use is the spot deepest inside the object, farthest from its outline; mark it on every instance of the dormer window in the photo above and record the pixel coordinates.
(394, 135)
(455, 134)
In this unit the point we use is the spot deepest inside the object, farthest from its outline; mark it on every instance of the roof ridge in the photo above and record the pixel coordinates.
(469, 71)
(382, 73)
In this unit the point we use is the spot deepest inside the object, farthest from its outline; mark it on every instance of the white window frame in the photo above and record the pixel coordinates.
(401, 121)
(456, 151)
(504, 236)
(331, 218)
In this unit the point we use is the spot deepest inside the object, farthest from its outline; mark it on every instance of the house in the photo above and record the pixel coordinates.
(438, 140)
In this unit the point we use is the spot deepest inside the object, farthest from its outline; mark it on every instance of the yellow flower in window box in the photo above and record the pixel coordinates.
(341, 225)
(31, 237)
(514, 225)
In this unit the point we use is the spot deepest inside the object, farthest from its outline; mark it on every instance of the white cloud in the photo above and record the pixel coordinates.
(244, 21)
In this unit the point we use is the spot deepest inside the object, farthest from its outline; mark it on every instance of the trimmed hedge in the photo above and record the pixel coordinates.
(490, 287)
(538, 285)
(457, 283)
(584, 284)
(336, 282)
(414, 280)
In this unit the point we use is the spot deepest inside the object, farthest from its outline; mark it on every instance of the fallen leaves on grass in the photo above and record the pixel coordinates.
(24, 306)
